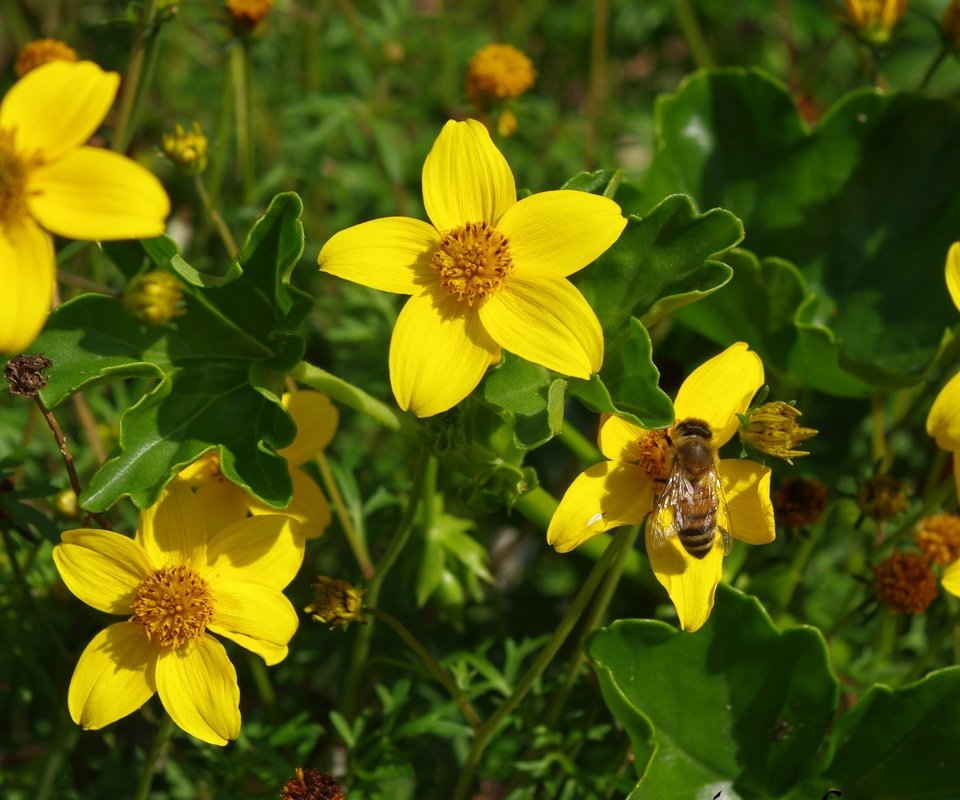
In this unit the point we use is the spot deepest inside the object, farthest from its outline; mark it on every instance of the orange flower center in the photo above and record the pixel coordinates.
(173, 605)
(473, 261)
(652, 454)
(13, 180)
(42, 51)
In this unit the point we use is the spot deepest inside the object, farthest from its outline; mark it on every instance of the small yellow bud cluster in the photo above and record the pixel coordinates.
(186, 148)
(905, 583)
(882, 497)
(497, 74)
(772, 429)
(875, 20)
(336, 602)
(42, 51)
(938, 538)
(154, 297)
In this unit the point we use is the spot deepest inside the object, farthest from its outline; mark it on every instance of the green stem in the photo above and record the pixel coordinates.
(222, 230)
(432, 665)
(16, 22)
(692, 32)
(624, 540)
(599, 57)
(424, 481)
(240, 71)
(934, 647)
(143, 58)
(801, 555)
(543, 660)
(579, 445)
(358, 544)
(357, 399)
(60, 748)
(932, 69)
(538, 506)
(262, 679)
(160, 739)
(881, 454)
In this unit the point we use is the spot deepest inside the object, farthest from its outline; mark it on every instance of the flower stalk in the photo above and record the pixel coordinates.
(143, 59)
(160, 739)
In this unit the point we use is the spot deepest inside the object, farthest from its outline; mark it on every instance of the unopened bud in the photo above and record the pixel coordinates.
(65, 504)
(248, 14)
(186, 148)
(154, 297)
(875, 20)
(336, 602)
(882, 497)
(499, 71)
(772, 429)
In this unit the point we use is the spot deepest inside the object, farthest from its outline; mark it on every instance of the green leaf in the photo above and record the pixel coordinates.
(901, 743)
(221, 362)
(529, 397)
(736, 706)
(865, 206)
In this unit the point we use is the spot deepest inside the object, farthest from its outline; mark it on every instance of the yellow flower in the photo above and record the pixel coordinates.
(490, 272)
(622, 491)
(186, 148)
(177, 584)
(875, 19)
(48, 180)
(154, 297)
(943, 421)
(499, 71)
(225, 503)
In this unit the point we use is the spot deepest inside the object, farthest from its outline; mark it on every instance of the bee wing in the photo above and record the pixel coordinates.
(668, 516)
(724, 520)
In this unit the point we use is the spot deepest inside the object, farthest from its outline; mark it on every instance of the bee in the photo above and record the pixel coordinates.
(691, 503)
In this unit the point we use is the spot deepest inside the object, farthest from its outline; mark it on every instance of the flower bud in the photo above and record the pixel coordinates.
(882, 497)
(905, 583)
(248, 14)
(65, 504)
(154, 297)
(336, 602)
(42, 51)
(938, 538)
(875, 20)
(186, 149)
(772, 429)
(799, 501)
(499, 71)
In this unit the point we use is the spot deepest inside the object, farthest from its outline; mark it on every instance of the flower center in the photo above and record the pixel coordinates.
(173, 605)
(473, 261)
(652, 455)
(13, 180)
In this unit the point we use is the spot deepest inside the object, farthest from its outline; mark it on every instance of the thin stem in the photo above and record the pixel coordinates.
(932, 69)
(624, 540)
(67, 458)
(538, 506)
(801, 555)
(432, 665)
(543, 660)
(89, 425)
(87, 284)
(424, 474)
(357, 399)
(221, 227)
(579, 445)
(240, 73)
(160, 739)
(143, 57)
(599, 54)
(881, 454)
(358, 544)
(692, 32)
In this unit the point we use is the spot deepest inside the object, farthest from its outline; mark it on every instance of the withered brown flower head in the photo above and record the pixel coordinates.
(882, 497)
(311, 784)
(938, 538)
(23, 374)
(905, 583)
(799, 501)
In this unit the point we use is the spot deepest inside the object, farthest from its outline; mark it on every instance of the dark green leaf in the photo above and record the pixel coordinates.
(737, 705)
(529, 397)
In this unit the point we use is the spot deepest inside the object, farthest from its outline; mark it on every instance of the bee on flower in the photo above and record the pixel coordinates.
(695, 503)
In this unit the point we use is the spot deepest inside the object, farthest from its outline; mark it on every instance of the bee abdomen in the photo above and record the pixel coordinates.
(698, 541)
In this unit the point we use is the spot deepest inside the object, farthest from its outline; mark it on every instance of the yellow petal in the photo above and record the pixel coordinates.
(256, 617)
(690, 582)
(390, 254)
(102, 568)
(465, 178)
(223, 503)
(173, 530)
(97, 195)
(943, 421)
(57, 107)
(439, 351)
(956, 470)
(547, 321)
(27, 270)
(308, 506)
(606, 496)
(265, 549)
(558, 233)
(316, 420)
(618, 438)
(951, 578)
(953, 273)
(114, 676)
(719, 389)
(197, 685)
(746, 488)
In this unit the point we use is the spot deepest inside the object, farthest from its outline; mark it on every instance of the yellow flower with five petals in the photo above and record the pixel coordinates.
(177, 584)
(489, 272)
(943, 421)
(225, 503)
(622, 491)
(49, 181)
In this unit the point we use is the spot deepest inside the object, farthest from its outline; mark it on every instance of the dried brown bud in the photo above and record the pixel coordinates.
(311, 784)
(882, 497)
(336, 602)
(906, 583)
(938, 537)
(799, 501)
(23, 374)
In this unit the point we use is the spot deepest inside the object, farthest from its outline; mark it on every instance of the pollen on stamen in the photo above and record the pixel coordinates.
(652, 454)
(473, 261)
(173, 605)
